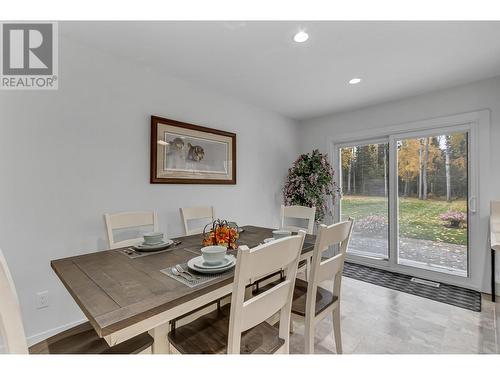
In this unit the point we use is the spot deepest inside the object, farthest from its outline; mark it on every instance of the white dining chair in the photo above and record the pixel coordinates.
(129, 220)
(241, 327)
(494, 241)
(297, 213)
(311, 302)
(81, 339)
(196, 213)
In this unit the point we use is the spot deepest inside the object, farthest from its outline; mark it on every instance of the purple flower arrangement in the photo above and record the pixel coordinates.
(310, 183)
(454, 219)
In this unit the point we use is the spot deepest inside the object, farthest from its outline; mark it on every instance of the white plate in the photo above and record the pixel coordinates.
(266, 240)
(199, 263)
(207, 266)
(192, 264)
(160, 246)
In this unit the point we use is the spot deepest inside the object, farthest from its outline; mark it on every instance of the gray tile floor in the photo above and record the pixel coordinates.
(379, 320)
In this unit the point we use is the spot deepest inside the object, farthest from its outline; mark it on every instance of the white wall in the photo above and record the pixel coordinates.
(68, 156)
(467, 98)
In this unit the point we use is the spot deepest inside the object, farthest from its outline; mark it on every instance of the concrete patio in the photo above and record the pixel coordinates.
(431, 253)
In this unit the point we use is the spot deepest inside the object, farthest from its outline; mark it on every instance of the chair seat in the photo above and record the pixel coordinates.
(324, 298)
(83, 339)
(209, 334)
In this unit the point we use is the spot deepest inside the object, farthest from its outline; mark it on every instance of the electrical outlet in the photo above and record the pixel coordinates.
(42, 299)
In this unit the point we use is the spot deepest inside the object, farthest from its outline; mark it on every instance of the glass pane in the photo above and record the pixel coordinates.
(432, 200)
(365, 187)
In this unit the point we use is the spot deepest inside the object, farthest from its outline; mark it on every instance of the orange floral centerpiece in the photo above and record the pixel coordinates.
(221, 233)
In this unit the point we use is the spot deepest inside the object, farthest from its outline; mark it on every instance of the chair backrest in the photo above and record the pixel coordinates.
(495, 216)
(282, 254)
(11, 323)
(298, 212)
(196, 213)
(128, 220)
(331, 268)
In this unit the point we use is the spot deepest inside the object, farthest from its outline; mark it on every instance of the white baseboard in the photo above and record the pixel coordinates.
(33, 339)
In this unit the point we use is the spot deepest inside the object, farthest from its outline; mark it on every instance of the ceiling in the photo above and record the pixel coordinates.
(258, 61)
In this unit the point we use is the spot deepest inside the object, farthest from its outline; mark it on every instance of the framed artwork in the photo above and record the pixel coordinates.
(183, 153)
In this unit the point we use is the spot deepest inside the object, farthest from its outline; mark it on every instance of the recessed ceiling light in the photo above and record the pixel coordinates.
(355, 81)
(301, 37)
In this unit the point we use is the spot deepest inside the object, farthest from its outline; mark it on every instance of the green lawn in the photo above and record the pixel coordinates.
(418, 218)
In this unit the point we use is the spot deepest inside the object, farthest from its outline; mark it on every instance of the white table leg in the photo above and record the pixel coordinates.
(160, 344)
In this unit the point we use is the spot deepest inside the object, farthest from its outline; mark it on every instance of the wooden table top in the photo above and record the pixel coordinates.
(115, 291)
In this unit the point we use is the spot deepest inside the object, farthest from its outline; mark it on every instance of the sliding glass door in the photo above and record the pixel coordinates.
(365, 185)
(432, 186)
(409, 195)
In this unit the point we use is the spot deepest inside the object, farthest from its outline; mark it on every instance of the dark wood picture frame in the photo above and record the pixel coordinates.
(154, 179)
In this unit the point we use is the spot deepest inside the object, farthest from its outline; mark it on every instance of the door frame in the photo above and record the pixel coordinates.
(471, 183)
(478, 126)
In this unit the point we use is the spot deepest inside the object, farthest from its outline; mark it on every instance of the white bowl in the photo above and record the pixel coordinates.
(213, 254)
(153, 238)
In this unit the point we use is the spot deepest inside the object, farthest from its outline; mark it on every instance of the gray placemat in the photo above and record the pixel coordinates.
(133, 253)
(203, 278)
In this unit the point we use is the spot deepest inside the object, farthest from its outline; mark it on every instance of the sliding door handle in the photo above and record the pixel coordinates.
(473, 205)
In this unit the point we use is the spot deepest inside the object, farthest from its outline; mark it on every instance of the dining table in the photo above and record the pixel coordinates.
(122, 296)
